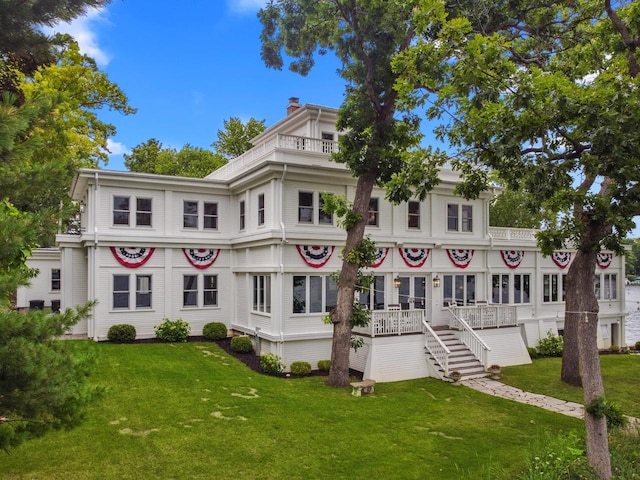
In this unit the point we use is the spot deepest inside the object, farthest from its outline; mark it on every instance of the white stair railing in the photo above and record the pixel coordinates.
(436, 347)
(470, 338)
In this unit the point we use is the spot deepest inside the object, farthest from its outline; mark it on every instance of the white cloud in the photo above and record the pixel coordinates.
(82, 30)
(116, 148)
(246, 6)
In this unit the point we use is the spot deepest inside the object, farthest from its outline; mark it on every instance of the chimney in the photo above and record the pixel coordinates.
(293, 105)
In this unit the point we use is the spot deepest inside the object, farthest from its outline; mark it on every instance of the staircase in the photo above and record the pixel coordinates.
(460, 359)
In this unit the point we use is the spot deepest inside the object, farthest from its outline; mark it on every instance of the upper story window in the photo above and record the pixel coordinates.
(210, 216)
(459, 218)
(374, 212)
(242, 215)
(261, 209)
(323, 217)
(55, 279)
(191, 215)
(413, 214)
(306, 209)
(122, 211)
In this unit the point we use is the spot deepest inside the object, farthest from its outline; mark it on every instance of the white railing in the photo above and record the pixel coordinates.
(470, 338)
(501, 233)
(436, 348)
(487, 316)
(393, 322)
(280, 141)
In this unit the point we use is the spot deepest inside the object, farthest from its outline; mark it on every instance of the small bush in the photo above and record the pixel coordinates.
(122, 333)
(215, 331)
(172, 330)
(241, 344)
(614, 348)
(324, 365)
(271, 364)
(533, 352)
(638, 345)
(550, 346)
(300, 368)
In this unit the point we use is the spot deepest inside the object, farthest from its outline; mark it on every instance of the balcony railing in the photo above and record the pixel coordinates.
(393, 322)
(485, 316)
(501, 233)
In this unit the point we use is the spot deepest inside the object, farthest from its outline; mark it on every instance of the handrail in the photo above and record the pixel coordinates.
(436, 347)
(470, 338)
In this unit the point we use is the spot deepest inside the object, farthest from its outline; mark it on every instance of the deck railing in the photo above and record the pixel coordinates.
(470, 338)
(487, 316)
(393, 322)
(436, 347)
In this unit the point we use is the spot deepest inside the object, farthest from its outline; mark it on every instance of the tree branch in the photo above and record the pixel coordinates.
(629, 42)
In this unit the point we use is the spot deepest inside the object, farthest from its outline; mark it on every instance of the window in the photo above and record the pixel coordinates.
(459, 218)
(551, 288)
(305, 207)
(121, 210)
(261, 209)
(323, 217)
(327, 142)
(210, 216)
(413, 210)
(143, 291)
(460, 289)
(411, 293)
(242, 215)
(55, 279)
(210, 290)
(143, 212)
(190, 291)
(500, 288)
(121, 291)
(373, 212)
(262, 293)
(506, 288)
(314, 293)
(521, 288)
(610, 286)
(190, 214)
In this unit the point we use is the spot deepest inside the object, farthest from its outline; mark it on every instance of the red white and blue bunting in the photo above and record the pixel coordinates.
(201, 257)
(460, 258)
(381, 254)
(561, 259)
(132, 257)
(414, 257)
(315, 255)
(604, 259)
(512, 258)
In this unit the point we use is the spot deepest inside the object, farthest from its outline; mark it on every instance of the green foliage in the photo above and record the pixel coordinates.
(43, 385)
(300, 368)
(614, 348)
(236, 137)
(215, 331)
(121, 333)
(637, 345)
(557, 457)
(241, 344)
(172, 330)
(363, 254)
(550, 346)
(533, 352)
(271, 364)
(600, 408)
(324, 365)
(361, 316)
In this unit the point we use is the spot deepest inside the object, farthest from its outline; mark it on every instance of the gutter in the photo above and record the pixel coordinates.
(283, 242)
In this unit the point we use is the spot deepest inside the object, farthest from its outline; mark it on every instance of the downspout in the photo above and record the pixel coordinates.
(94, 257)
(318, 123)
(283, 242)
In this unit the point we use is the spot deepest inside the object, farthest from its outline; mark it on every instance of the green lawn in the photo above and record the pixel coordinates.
(189, 411)
(620, 374)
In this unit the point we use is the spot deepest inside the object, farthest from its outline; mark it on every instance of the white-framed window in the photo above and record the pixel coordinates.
(460, 289)
(210, 216)
(191, 291)
(510, 288)
(606, 286)
(243, 215)
(191, 215)
(413, 214)
(374, 212)
(323, 217)
(262, 293)
(314, 293)
(55, 279)
(553, 287)
(459, 218)
(122, 292)
(122, 211)
(308, 212)
(261, 209)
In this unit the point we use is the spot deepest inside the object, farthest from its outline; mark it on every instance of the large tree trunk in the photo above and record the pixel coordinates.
(341, 317)
(570, 372)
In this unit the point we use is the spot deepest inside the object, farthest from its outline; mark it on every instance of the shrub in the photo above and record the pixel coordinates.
(614, 348)
(121, 333)
(550, 346)
(638, 345)
(300, 368)
(215, 331)
(241, 344)
(324, 365)
(172, 330)
(271, 364)
(533, 352)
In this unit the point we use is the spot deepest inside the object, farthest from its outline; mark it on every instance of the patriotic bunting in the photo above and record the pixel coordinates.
(381, 254)
(512, 258)
(315, 255)
(132, 257)
(561, 259)
(460, 258)
(201, 257)
(604, 259)
(414, 257)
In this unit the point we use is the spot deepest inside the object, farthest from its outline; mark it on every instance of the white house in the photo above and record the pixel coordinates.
(250, 246)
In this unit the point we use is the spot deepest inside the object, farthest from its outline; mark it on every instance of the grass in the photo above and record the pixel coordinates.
(620, 375)
(191, 411)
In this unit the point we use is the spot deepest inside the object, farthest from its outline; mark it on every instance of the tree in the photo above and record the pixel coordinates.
(546, 93)
(236, 137)
(378, 145)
